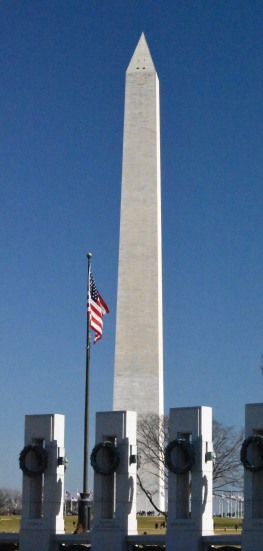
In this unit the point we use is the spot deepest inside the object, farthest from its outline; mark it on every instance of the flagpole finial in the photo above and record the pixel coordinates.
(89, 255)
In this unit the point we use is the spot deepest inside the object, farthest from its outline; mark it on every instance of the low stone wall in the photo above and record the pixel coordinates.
(77, 542)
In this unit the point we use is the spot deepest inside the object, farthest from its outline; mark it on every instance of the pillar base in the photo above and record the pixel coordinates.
(84, 511)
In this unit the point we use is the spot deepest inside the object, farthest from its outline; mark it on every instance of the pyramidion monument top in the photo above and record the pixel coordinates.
(141, 60)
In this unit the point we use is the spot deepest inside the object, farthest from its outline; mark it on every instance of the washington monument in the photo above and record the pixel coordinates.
(138, 373)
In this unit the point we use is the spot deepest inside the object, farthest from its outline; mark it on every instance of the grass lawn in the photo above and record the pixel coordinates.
(10, 523)
(228, 525)
(145, 524)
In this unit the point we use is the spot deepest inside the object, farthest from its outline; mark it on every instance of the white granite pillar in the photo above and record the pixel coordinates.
(43, 495)
(252, 533)
(115, 494)
(190, 513)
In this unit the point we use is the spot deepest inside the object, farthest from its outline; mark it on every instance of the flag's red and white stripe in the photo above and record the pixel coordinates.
(97, 308)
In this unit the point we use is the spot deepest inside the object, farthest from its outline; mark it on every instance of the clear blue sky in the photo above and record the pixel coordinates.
(63, 69)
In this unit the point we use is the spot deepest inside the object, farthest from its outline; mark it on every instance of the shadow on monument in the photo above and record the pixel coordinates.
(130, 488)
(205, 493)
(58, 497)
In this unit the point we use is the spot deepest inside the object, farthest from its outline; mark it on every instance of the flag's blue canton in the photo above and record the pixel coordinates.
(93, 289)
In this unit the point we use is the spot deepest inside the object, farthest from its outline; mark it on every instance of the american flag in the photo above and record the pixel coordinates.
(97, 308)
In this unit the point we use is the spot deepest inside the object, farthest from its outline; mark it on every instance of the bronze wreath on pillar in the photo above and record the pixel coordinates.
(114, 457)
(188, 452)
(41, 460)
(258, 440)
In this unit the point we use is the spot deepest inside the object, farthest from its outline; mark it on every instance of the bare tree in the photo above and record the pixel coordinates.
(153, 437)
(227, 470)
(10, 501)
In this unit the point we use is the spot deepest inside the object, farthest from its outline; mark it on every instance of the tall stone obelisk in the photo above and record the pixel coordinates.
(138, 374)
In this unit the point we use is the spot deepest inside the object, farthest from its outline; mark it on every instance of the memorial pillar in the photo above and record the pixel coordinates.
(42, 461)
(114, 459)
(189, 457)
(252, 455)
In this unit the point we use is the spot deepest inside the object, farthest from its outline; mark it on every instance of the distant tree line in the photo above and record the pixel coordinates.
(10, 501)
